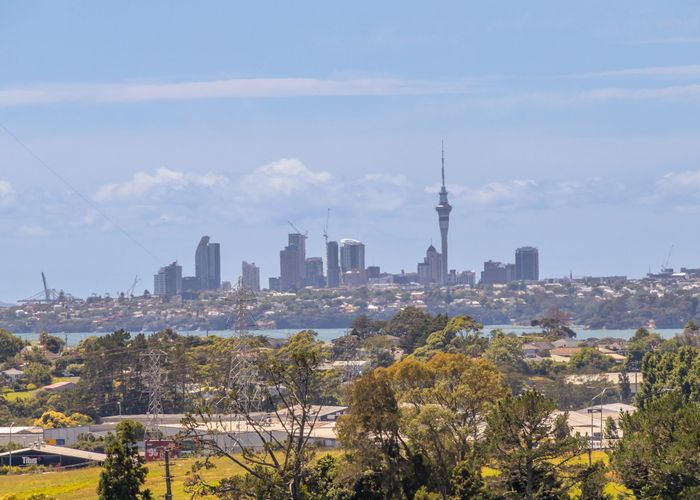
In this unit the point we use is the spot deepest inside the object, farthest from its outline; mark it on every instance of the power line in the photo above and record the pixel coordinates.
(75, 191)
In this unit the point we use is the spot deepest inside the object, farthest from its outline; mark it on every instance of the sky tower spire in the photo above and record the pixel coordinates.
(443, 209)
(443, 164)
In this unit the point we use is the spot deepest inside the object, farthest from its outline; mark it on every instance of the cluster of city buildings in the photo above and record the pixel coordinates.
(344, 266)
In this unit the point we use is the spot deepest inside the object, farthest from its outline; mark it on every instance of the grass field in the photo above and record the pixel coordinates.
(11, 396)
(81, 484)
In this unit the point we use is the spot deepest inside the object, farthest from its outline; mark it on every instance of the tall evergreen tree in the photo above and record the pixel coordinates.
(124, 472)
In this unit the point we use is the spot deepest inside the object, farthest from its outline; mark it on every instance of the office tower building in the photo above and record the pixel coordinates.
(352, 255)
(443, 209)
(168, 282)
(352, 262)
(298, 240)
(373, 272)
(273, 284)
(430, 270)
(314, 272)
(496, 273)
(466, 278)
(207, 264)
(527, 264)
(190, 287)
(333, 263)
(290, 278)
(250, 276)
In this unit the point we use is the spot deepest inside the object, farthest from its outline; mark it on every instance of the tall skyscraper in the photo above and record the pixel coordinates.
(443, 209)
(168, 282)
(293, 263)
(207, 264)
(333, 263)
(352, 255)
(527, 264)
(314, 272)
(430, 270)
(250, 276)
(298, 240)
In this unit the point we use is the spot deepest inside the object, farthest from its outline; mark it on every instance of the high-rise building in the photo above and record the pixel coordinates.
(466, 278)
(352, 255)
(496, 273)
(298, 240)
(250, 276)
(207, 264)
(314, 272)
(168, 282)
(527, 264)
(430, 270)
(333, 263)
(290, 276)
(443, 209)
(273, 284)
(352, 262)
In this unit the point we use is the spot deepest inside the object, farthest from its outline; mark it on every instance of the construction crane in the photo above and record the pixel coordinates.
(305, 235)
(46, 295)
(130, 291)
(325, 229)
(665, 267)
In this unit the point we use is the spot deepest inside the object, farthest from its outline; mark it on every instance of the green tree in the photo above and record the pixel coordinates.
(590, 360)
(461, 334)
(593, 482)
(555, 325)
(123, 473)
(371, 431)
(10, 345)
(363, 327)
(528, 447)
(291, 382)
(666, 371)
(413, 325)
(657, 456)
(625, 387)
(50, 342)
(38, 375)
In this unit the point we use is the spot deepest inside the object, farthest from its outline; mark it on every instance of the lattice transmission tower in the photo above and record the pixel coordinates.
(154, 358)
(244, 388)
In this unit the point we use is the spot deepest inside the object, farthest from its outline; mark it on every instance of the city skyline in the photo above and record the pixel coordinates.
(115, 150)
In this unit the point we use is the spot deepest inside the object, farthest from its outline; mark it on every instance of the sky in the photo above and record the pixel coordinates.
(130, 129)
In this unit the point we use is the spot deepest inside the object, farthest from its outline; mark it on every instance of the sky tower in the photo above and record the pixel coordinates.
(443, 209)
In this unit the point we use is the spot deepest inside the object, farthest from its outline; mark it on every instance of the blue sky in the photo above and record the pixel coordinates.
(574, 129)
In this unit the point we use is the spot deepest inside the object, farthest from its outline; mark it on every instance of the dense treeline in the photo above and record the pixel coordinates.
(445, 410)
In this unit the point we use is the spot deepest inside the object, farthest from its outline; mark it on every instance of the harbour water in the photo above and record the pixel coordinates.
(328, 334)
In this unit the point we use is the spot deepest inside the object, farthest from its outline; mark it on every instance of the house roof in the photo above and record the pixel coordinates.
(564, 351)
(59, 385)
(13, 371)
(60, 450)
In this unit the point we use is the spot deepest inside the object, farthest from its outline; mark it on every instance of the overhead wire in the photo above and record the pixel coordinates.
(75, 191)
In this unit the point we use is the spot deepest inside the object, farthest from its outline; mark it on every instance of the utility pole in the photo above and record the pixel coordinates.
(168, 478)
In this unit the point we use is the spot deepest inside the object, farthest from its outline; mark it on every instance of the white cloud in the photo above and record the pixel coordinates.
(528, 193)
(510, 194)
(380, 192)
(7, 194)
(143, 183)
(33, 230)
(219, 89)
(686, 182)
(284, 177)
